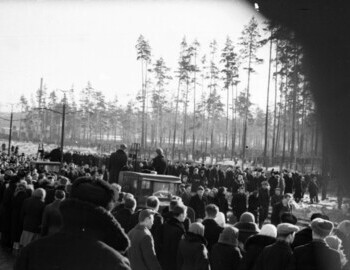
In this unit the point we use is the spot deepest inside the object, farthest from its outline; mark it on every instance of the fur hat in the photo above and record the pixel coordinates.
(321, 227)
(247, 217)
(229, 236)
(95, 191)
(269, 230)
(196, 228)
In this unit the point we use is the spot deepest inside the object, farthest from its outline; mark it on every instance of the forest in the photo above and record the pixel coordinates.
(209, 114)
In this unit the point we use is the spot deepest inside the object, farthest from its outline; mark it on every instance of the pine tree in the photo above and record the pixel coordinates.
(230, 72)
(250, 44)
(144, 55)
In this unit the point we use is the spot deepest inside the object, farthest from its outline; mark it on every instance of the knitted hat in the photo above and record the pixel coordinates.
(333, 241)
(229, 236)
(95, 191)
(269, 230)
(247, 217)
(344, 227)
(321, 227)
(286, 228)
(196, 228)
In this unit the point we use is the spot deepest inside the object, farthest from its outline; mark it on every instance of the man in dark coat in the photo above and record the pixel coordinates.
(280, 208)
(192, 252)
(117, 161)
(52, 222)
(159, 163)
(304, 236)
(198, 203)
(124, 215)
(212, 229)
(142, 254)
(317, 254)
(239, 203)
(170, 235)
(225, 254)
(90, 237)
(288, 180)
(255, 245)
(278, 255)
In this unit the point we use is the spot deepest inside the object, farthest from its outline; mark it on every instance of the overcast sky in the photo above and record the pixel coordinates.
(73, 42)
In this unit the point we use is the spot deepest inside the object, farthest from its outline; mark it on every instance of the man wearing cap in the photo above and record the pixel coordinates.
(278, 255)
(159, 163)
(142, 254)
(317, 254)
(117, 161)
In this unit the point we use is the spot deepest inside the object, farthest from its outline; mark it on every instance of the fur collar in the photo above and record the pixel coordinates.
(92, 221)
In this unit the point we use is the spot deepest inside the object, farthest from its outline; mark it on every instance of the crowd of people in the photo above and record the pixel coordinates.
(80, 218)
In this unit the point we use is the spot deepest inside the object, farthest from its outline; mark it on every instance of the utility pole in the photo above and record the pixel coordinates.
(63, 122)
(10, 135)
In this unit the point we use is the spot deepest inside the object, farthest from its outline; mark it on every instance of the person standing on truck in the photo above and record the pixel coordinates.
(159, 163)
(117, 161)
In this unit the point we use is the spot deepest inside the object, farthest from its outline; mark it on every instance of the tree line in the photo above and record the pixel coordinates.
(210, 112)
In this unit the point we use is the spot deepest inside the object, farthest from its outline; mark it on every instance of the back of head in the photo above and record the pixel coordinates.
(152, 202)
(319, 215)
(269, 230)
(321, 227)
(60, 195)
(196, 228)
(247, 217)
(179, 210)
(333, 242)
(146, 213)
(289, 218)
(94, 191)
(229, 236)
(130, 203)
(211, 210)
(40, 193)
(344, 227)
(159, 151)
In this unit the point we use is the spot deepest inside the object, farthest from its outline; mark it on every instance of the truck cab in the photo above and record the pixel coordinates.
(143, 185)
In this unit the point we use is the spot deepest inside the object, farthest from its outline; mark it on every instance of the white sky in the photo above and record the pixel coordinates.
(72, 42)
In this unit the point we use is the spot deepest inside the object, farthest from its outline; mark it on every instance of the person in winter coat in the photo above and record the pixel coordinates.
(6, 209)
(313, 190)
(277, 197)
(317, 254)
(253, 204)
(90, 237)
(225, 254)
(20, 195)
(239, 203)
(170, 235)
(124, 215)
(280, 208)
(304, 236)
(343, 232)
(222, 201)
(255, 245)
(141, 253)
(288, 180)
(198, 203)
(192, 252)
(212, 228)
(117, 161)
(246, 227)
(52, 220)
(278, 255)
(159, 163)
(334, 242)
(31, 214)
(298, 191)
(264, 202)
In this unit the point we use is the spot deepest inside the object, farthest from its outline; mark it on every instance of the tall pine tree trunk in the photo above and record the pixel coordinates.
(292, 155)
(267, 106)
(274, 135)
(175, 121)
